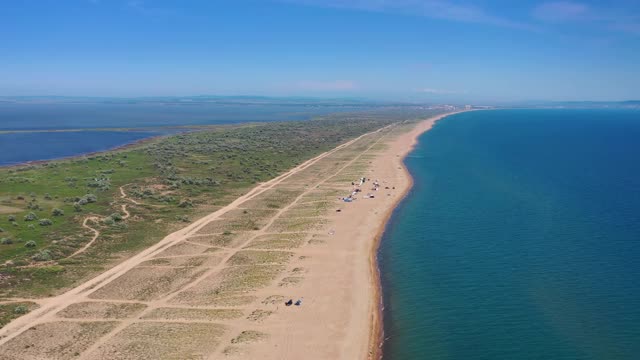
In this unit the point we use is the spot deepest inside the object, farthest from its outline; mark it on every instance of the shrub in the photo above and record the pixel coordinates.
(30, 217)
(12, 218)
(185, 203)
(45, 222)
(57, 212)
(30, 244)
(90, 198)
(116, 217)
(6, 241)
(1, 230)
(77, 207)
(108, 221)
(31, 227)
(33, 206)
(44, 255)
(20, 310)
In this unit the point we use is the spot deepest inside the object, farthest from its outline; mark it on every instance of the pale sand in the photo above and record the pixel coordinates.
(339, 317)
(341, 313)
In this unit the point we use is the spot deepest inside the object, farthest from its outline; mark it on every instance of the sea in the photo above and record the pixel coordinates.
(520, 239)
(21, 124)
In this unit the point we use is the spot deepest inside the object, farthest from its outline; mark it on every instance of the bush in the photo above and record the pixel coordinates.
(185, 203)
(30, 217)
(20, 310)
(30, 244)
(44, 255)
(6, 241)
(108, 221)
(33, 206)
(57, 212)
(1, 230)
(77, 207)
(90, 198)
(45, 222)
(31, 227)
(116, 217)
(12, 218)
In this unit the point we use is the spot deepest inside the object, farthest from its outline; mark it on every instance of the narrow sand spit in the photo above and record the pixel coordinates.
(217, 288)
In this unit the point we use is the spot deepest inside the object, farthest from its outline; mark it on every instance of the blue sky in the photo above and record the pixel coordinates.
(427, 50)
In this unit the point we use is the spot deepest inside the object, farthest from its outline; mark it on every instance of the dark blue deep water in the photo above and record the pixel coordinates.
(519, 240)
(18, 148)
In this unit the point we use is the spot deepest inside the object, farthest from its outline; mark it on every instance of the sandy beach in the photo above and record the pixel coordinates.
(217, 288)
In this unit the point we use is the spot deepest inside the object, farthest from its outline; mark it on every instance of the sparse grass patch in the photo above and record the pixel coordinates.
(146, 284)
(259, 315)
(106, 310)
(248, 257)
(55, 340)
(193, 314)
(291, 280)
(249, 336)
(278, 241)
(156, 340)
(296, 224)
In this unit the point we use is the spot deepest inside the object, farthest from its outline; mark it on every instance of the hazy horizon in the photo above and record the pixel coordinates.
(297, 99)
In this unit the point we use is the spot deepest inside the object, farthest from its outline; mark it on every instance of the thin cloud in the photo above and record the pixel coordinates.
(437, 9)
(560, 12)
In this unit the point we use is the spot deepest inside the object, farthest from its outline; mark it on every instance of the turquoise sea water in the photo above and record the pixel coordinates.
(519, 240)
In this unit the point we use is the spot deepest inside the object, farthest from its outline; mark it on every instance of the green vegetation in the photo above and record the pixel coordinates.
(11, 311)
(168, 181)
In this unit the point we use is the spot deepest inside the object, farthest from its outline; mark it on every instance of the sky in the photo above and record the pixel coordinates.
(413, 50)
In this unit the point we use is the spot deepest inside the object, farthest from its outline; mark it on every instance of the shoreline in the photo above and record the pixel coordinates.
(376, 337)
